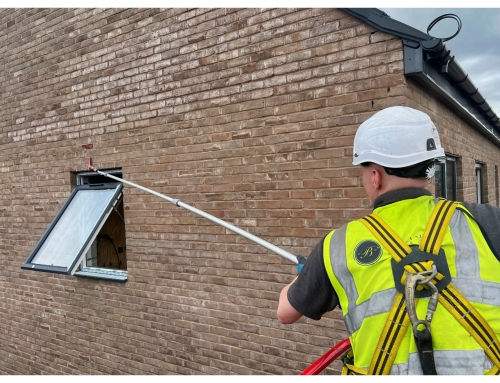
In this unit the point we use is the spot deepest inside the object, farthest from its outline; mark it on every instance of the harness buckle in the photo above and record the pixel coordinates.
(417, 255)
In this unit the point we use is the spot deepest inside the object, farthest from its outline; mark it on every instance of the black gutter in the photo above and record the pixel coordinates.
(383, 22)
(429, 63)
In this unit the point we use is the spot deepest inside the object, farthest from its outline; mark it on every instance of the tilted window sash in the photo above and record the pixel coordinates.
(73, 230)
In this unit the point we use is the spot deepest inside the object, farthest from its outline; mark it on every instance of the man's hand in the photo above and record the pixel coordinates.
(302, 261)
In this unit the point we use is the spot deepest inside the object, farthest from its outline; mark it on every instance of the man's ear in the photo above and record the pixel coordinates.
(377, 177)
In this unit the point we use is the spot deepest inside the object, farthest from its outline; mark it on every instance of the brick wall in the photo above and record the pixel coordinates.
(247, 114)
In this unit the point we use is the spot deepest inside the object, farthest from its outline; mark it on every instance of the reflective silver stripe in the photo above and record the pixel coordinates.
(338, 260)
(380, 302)
(479, 291)
(452, 362)
(467, 260)
(468, 280)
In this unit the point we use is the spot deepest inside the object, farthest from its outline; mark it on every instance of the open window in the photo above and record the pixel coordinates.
(87, 237)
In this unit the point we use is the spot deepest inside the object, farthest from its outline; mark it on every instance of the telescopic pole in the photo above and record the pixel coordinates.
(179, 203)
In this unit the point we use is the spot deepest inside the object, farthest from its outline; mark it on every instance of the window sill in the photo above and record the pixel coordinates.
(107, 274)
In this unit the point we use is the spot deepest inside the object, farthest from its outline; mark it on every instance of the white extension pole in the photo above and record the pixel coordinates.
(177, 202)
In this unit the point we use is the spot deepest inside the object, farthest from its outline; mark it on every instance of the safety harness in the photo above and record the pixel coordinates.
(424, 273)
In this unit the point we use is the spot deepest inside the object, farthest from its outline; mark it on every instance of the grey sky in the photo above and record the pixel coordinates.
(476, 48)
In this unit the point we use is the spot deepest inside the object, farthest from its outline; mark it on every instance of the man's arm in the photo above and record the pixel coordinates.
(286, 313)
(310, 294)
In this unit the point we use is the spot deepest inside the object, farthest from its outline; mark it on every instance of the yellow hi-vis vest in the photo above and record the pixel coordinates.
(360, 270)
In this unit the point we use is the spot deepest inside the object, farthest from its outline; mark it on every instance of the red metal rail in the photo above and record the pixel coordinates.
(323, 361)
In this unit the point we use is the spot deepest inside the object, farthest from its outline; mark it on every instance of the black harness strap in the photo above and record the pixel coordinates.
(423, 340)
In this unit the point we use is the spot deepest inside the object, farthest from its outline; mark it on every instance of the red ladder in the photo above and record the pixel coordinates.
(322, 362)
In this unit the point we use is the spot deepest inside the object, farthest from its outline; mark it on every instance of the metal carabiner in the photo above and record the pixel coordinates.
(433, 301)
(422, 278)
(411, 283)
(430, 275)
(431, 306)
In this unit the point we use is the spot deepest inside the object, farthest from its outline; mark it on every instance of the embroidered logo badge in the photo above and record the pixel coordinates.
(367, 253)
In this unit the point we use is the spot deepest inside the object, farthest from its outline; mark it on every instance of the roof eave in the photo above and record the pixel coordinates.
(452, 86)
(429, 78)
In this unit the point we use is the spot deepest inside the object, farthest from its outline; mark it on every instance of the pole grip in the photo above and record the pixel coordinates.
(302, 261)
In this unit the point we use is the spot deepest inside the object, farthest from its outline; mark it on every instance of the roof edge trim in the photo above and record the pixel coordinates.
(383, 22)
(428, 77)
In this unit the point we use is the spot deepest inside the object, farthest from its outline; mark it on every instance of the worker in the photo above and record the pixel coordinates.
(418, 280)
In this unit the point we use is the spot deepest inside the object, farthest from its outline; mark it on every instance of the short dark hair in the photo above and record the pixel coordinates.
(419, 170)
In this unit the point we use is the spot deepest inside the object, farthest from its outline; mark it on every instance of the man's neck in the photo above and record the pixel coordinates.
(398, 195)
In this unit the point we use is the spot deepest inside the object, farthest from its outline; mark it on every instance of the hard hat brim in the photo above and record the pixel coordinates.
(397, 161)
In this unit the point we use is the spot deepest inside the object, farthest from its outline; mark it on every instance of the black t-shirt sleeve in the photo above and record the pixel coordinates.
(312, 294)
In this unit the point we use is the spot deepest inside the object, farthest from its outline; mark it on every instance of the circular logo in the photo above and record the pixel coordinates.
(367, 253)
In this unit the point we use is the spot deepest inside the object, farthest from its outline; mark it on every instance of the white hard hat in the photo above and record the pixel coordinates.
(397, 137)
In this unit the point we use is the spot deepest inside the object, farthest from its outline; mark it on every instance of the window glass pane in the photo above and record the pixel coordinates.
(440, 188)
(496, 185)
(479, 184)
(74, 228)
(451, 183)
